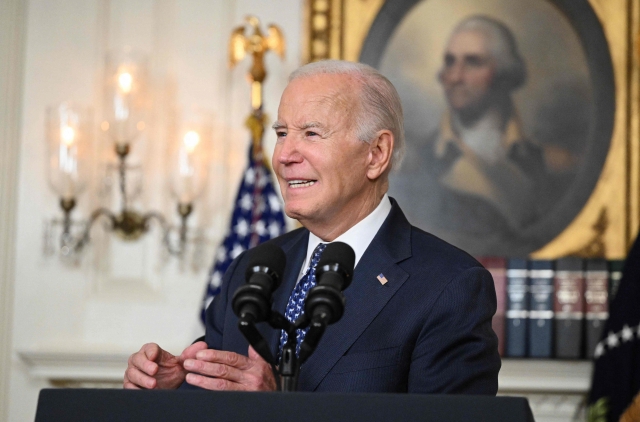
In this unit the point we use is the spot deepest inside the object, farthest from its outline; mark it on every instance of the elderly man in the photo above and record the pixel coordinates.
(489, 173)
(418, 312)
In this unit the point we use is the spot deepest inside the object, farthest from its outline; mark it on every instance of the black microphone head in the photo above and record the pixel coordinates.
(267, 257)
(338, 253)
(338, 256)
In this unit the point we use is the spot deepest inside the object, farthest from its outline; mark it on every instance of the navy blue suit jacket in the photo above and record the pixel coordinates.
(427, 330)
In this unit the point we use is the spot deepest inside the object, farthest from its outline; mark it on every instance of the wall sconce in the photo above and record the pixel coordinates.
(126, 112)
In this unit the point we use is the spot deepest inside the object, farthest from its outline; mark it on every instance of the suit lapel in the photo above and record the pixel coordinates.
(365, 298)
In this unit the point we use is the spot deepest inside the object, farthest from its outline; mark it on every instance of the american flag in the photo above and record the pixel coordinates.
(257, 217)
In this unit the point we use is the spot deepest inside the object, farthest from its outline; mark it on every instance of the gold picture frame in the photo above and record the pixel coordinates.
(609, 221)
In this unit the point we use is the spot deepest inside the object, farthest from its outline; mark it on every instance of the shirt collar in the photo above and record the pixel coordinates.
(358, 237)
(512, 134)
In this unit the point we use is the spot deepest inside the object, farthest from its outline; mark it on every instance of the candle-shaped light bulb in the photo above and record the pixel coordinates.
(125, 80)
(67, 134)
(189, 155)
(191, 140)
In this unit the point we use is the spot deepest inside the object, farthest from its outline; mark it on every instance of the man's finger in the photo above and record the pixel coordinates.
(217, 384)
(217, 370)
(130, 386)
(253, 355)
(139, 378)
(141, 361)
(152, 351)
(190, 352)
(226, 358)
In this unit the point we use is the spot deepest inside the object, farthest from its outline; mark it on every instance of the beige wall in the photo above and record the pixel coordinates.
(121, 295)
(12, 25)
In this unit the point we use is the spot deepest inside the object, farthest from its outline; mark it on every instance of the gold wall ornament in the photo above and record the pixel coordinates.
(632, 413)
(323, 26)
(257, 45)
(596, 247)
(337, 29)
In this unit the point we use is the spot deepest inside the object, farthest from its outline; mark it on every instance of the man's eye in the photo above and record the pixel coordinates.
(311, 133)
(281, 134)
(474, 61)
(449, 60)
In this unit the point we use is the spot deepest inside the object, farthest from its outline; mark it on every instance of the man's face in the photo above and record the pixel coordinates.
(468, 72)
(320, 163)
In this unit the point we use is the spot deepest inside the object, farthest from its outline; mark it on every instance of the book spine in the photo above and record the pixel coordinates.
(597, 308)
(569, 313)
(541, 313)
(615, 275)
(517, 313)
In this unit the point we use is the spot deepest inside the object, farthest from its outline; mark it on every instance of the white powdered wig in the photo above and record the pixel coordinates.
(511, 70)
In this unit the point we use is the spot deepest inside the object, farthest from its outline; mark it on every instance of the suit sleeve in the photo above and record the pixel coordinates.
(215, 315)
(457, 350)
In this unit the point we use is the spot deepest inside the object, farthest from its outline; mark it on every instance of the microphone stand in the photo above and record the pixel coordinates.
(323, 305)
(287, 373)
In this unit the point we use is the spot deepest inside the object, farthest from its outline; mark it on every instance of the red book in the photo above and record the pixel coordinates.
(498, 269)
(569, 308)
(597, 302)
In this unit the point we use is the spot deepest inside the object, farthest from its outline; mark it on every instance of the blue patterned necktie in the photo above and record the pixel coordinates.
(295, 306)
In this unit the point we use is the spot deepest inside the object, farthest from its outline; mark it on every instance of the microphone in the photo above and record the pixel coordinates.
(264, 274)
(334, 272)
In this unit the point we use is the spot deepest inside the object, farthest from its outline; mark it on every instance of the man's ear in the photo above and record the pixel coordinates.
(380, 153)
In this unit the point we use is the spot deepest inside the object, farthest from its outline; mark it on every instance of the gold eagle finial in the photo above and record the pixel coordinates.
(255, 44)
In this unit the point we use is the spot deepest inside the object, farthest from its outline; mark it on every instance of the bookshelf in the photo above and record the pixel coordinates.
(557, 389)
(545, 376)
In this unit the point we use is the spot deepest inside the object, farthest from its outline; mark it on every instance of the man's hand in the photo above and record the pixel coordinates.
(220, 370)
(154, 368)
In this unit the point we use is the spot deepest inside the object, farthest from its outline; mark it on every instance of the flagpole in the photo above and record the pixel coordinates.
(257, 214)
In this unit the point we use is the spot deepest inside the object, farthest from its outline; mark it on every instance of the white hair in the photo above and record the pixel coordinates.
(380, 103)
(511, 70)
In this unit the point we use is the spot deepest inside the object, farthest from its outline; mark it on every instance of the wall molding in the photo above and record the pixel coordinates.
(12, 53)
(544, 376)
(67, 366)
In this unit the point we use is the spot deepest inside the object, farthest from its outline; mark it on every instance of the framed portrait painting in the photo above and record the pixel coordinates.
(520, 116)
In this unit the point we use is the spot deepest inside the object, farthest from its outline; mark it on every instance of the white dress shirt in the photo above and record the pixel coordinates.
(358, 237)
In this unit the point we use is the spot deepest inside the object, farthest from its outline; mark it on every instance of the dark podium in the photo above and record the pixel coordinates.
(70, 405)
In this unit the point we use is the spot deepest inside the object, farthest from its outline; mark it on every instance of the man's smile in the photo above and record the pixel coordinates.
(295, 184)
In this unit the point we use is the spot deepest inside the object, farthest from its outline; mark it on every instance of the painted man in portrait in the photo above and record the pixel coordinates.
(488, 171)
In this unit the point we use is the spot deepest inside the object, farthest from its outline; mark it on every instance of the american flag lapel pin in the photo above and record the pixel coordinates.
(382, 279)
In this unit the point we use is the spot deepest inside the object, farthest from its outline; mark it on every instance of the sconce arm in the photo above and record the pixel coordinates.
(166, 232)
(100, 212)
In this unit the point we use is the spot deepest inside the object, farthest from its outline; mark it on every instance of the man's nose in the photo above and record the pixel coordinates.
(287, 151)
(454, 73)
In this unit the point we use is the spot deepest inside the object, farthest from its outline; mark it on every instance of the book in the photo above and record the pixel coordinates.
(498, 269)
(569, 307)
(615, 275)
(596, 302)
(540, 308)
(517, 308)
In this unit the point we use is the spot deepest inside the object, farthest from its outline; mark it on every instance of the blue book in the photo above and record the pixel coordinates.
(517, 308)
(541, 301)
